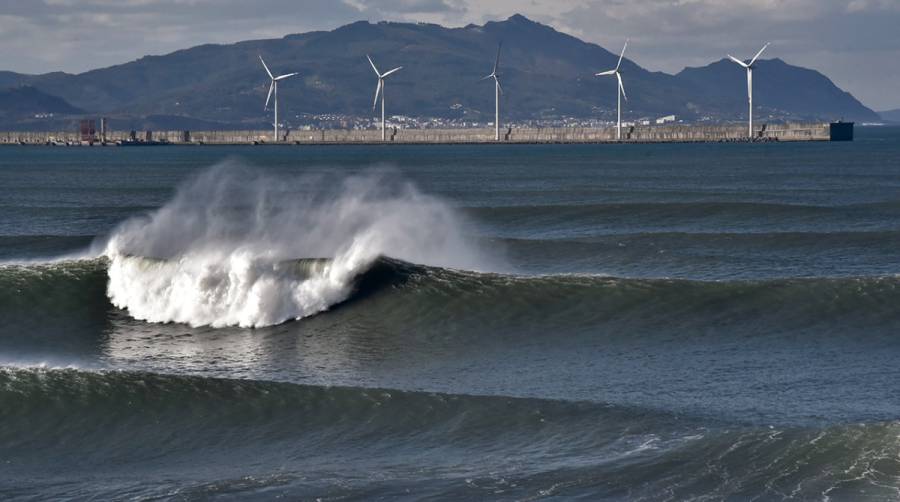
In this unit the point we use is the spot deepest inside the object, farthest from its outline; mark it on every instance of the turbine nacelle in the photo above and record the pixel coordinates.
(495, 72)
(496, 80)
(273, 80)
(381, 77)
(617, 71)
(749, 65)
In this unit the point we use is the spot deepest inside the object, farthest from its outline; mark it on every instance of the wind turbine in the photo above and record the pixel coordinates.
(749, 68)
(620, 92)
(273, 89)
(497, 91)
(380, 90)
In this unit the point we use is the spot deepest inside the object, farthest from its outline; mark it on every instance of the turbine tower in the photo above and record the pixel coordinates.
(273, 89)
(380, 90)
(497, 91)
(749, 67)
(620, 92)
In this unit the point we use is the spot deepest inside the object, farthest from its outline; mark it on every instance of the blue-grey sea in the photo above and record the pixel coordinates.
(495, 322)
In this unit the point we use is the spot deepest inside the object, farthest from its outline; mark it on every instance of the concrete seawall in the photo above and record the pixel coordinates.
(640, 134)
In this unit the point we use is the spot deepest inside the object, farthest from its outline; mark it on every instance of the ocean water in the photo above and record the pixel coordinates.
(597, 322)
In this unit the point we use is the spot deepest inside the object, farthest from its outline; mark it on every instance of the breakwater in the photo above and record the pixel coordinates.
(632, 134)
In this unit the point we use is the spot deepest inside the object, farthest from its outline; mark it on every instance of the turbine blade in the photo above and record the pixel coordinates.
(749, 83)
(499, 87)
(622, 86)
(377, 92)
(395, 70)
(266, 67)
(622, 56)
(271, 88)
(286, 76)
(738, 61)
(606, 73)
(373, 66)
(497, 62)
(758, 54)
(487, 77)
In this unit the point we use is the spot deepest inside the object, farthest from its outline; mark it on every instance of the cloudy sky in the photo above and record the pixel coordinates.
(855, 42)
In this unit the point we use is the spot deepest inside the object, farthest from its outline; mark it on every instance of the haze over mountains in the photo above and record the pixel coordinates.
(892, 116)
(546, 74)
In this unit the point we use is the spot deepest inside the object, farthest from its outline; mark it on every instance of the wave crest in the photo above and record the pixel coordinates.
(219, 253)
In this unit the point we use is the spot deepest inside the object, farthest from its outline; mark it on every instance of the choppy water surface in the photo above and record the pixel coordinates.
(600, 322)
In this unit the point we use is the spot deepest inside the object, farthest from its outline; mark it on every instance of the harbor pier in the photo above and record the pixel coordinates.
(838, 131)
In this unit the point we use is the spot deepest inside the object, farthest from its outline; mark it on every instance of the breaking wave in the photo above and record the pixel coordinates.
(224, 250)
(416, 296)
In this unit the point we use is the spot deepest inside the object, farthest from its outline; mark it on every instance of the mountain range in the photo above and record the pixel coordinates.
(24, 102)
(546, 74)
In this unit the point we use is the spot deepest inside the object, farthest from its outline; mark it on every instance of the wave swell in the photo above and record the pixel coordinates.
(406, 295)
(172, 430)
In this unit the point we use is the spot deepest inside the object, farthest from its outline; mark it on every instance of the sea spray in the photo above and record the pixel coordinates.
(219, 252)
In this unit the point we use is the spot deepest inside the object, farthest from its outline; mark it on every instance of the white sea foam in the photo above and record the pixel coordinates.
(219, 252)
